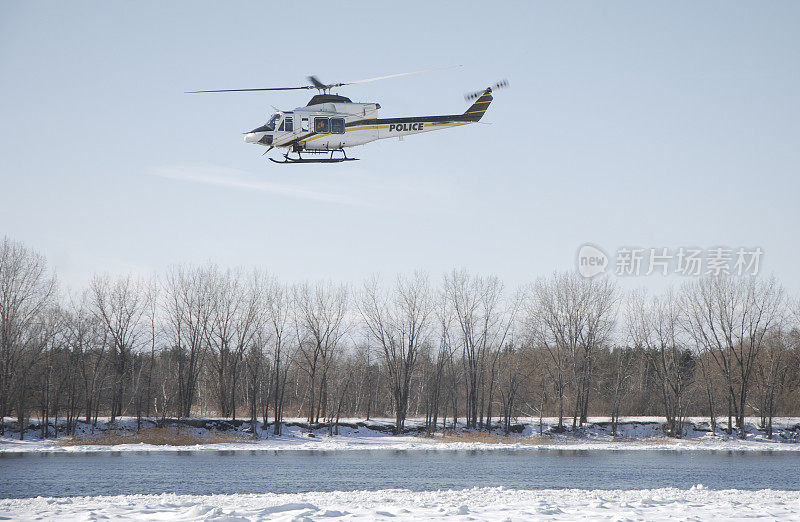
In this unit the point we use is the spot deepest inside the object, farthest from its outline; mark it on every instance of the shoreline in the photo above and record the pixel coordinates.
(402, 443)
(637, 433)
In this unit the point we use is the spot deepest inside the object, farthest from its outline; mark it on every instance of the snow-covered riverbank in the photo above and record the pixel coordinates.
(635, 433)
(478, 503)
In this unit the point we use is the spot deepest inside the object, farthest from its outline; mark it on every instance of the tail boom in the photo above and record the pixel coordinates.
(396, 127)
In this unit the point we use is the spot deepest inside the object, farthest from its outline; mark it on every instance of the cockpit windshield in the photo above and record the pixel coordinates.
(271, 124)
(273, 121)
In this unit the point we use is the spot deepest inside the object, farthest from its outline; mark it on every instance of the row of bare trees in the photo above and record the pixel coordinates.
(206, 341)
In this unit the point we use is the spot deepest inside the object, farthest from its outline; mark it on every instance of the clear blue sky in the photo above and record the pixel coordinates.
(627, 123)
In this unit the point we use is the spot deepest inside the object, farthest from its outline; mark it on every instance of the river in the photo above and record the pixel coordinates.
(215, 472)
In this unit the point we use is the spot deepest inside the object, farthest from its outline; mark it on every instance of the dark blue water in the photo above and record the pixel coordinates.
(201, 473)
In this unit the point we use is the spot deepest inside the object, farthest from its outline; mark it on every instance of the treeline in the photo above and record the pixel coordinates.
(206, 341)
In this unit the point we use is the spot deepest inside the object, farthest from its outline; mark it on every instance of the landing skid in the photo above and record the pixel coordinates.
(301, 159)
(317, 160)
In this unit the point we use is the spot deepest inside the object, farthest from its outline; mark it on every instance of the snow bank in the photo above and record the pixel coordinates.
(634, 433)
(403, 443)
(476, 503)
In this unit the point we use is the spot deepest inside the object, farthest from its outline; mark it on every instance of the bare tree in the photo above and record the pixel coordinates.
(514, 371)
(399, 325)
(26, 291)
(621, 377)
(248, 331)
(152, 291)
(234, 322)
(225, 300)
(482, 325)
(277, 307)
(654, 326)
(120, 305)
(442, 360)
(50, 376)
(730, 319)
(187, 311)
(770, 369)
(320, 313)
(89, 339)
(571, 316)
(257, 370)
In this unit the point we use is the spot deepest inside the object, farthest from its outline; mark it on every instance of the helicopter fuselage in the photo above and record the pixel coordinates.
(332, 122)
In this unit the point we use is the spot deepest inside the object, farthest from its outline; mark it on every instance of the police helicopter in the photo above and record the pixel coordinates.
(330, 123)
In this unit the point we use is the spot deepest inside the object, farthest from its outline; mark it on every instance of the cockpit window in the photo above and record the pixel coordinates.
(272, 121)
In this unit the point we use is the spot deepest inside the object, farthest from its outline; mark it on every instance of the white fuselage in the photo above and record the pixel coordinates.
(335, 125)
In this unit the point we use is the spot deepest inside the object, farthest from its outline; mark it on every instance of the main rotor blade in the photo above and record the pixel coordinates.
(252, 90)
(394, 75)
(316, 84)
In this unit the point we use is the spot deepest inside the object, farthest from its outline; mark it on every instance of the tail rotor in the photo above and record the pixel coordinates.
(502, 84)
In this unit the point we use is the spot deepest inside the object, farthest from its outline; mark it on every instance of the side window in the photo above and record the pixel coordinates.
(304, 124)
(321, 125)
(289, 124)
(337, 125)
(281, 127)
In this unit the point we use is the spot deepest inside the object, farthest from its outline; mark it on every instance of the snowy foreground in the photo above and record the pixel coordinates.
(697, 503)
(635, 433)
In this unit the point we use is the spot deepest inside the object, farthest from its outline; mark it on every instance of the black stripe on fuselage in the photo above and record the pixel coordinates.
(409, 119)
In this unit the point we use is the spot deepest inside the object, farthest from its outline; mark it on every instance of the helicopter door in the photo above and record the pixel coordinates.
(304, 124)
